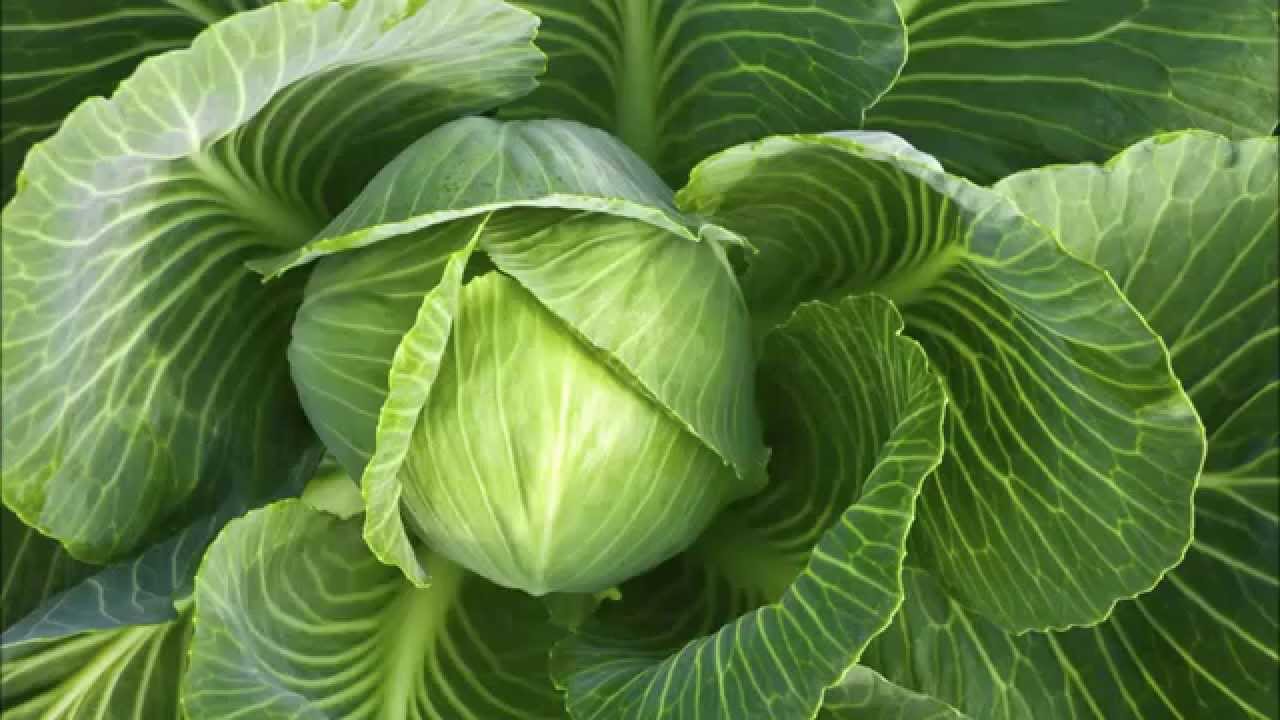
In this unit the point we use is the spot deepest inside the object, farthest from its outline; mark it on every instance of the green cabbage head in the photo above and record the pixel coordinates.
(556, 399)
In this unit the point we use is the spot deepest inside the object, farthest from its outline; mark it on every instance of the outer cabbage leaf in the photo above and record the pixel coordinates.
(295, 618)
(822, 545)
(991, 88)
(124, 252)
(1072, 450)
(1187, 224)
(56, 54)
(680, 79)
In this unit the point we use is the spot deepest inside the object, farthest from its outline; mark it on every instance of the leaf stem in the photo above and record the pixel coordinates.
(637, 91)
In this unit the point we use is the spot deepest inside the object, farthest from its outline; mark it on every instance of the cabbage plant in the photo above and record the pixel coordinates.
(840, 359)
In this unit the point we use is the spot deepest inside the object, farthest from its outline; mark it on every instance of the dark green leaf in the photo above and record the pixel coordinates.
(33, 568)
(680, 79)
(991, 88)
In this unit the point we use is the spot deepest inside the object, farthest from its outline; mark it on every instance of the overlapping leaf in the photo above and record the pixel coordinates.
(414, 366)
(1072, 451)
(124, 253)
(680, 79)
(991, 88)
(823, 544)
(478, 165)
(56, 54)
(864, 695)
(295, 618)
(33, 568)
(1187, 225)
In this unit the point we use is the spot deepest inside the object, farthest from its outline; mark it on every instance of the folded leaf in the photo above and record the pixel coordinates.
(477, 165)
(295, 618)
(124, 253)
(660, 650)
(864, 695)
(991, 88)
(680, 79)
(1072, 450)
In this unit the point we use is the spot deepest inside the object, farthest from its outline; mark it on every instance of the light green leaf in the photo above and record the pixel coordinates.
(33, 568)
(996, 87)
(414, 366)
(56, 54)
(680, 79)
(1187, 224)
(477, 165)
(357, 307)
(296, 619)
(578, 481)
(1072, 450)
(864, 694)
(666, 310)
(333, 491)
(659, 651)
(124, 252)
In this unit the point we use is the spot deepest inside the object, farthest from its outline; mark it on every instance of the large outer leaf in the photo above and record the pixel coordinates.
(991, 88)
(296, 619)
(56, 54)
(680, 79)
(860, 470)
(1187, 224)
(123, 255)
(1072, 450)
